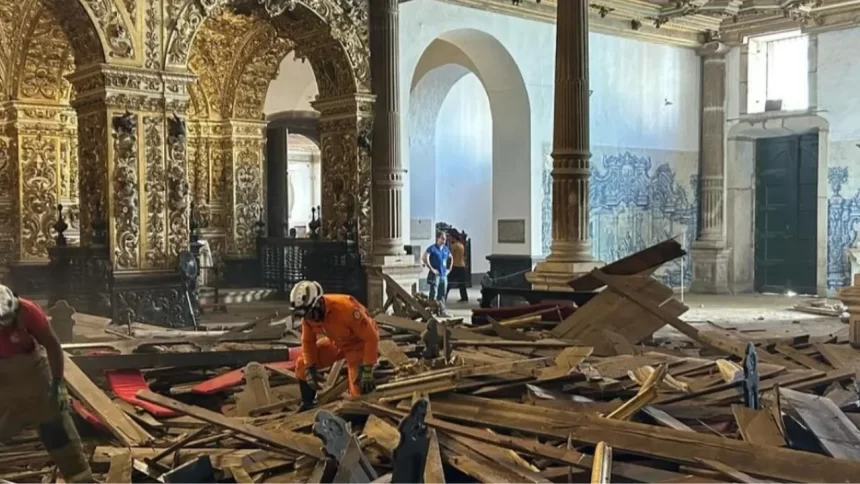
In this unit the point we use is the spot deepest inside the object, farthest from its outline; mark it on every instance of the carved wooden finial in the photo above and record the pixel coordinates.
(62, 321)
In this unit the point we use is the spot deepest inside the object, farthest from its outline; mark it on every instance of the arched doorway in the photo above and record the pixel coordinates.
(469, 129)
(236, 53)
(293, 168)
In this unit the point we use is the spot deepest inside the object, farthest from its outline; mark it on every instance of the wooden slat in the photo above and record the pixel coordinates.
(300, 443)
(129, 433)
(433, 471)
(531, 447)
(836, 433)
(643, 439)
(120, 468)
(801, 358)
(757, 426)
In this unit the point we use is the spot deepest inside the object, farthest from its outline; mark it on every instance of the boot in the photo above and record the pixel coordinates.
(309, 396)
(61, 440)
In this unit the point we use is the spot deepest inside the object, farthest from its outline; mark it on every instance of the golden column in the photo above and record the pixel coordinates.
(570, 253)
(134, 184)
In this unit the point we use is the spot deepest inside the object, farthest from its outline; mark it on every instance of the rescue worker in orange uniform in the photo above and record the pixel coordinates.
(31, 385)
(334, 327)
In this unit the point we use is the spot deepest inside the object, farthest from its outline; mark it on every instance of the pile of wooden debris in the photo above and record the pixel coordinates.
(523, 399)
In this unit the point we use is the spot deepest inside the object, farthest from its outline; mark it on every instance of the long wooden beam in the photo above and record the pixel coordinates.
(138, 361)
(647, 440)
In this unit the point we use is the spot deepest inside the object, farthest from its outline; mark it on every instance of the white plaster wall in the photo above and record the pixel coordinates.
(838, 72)
(294, 87)
(464, 157)
(531, 45)
(646, 99)
(645, 104)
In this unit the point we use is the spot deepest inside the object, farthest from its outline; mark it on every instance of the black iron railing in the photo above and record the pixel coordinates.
(83, 277)
(334, 264)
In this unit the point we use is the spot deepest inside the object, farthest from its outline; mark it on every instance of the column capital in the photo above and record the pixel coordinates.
(131, 88)
(713, 50)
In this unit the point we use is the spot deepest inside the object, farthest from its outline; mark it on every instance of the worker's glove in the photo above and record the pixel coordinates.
(365, 379)
(314, 379)
(58, 398)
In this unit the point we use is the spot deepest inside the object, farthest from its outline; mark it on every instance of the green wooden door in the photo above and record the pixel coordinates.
(785, 215)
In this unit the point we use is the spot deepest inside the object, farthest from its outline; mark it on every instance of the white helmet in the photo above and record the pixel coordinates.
(304, 296)
(8, 304)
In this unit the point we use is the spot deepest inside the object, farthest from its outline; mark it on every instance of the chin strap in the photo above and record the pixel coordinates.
(316, 312)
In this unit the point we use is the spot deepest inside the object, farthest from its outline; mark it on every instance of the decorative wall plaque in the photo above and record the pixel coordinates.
(512, 231)
(422, 228)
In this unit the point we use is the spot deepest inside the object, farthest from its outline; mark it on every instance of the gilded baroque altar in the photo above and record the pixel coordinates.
(127, 111)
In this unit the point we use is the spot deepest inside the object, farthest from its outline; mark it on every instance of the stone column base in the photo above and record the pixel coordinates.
(401, 268)
(555, 276)
(710, 270)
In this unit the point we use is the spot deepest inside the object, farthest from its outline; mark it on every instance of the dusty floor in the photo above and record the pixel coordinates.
(751, 314)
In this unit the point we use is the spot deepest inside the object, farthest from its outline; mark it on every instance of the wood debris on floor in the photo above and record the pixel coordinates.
(581, 397)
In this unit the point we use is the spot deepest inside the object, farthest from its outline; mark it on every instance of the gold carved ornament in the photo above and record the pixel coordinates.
(126, 186)
(155, 255)
(179, 199)
(38, 165)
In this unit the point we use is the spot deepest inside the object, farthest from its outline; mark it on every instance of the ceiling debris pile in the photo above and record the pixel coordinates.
(556, 394)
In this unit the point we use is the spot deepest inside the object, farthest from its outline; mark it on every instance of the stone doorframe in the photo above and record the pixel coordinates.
(303, 122)
(740, 187)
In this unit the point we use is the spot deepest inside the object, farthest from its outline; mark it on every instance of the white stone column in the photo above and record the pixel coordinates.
(709, 253)
(388, 254)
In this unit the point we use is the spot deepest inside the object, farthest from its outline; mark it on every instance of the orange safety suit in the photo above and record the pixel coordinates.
(348, 333)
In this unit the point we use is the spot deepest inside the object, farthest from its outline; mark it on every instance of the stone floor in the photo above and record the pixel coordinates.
(751, 313)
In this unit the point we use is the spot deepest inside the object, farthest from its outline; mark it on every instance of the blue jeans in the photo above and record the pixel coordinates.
(439, 289)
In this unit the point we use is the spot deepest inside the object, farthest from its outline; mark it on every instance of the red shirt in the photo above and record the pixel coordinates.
(18, 338)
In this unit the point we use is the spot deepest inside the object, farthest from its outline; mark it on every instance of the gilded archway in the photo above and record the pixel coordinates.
(38, 128)
(235, 48)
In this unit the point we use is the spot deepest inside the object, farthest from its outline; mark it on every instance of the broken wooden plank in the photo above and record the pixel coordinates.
(728, 471)
(300, 443)
(531, 447)
(833, 430)
(601, 470)
(221, 458)
(801, 358)
(472, 461)
(643, 439)
(393, 353)
(757, 426)
(433, 471)
(120, 468)
(126, 430)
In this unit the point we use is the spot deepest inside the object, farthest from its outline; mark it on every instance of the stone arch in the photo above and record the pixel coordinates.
(235, 48)
(445, 61)
(741, 183)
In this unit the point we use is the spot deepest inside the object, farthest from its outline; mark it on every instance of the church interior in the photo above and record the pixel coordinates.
(174, 168)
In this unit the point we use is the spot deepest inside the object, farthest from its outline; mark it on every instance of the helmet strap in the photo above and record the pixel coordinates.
(317, 311)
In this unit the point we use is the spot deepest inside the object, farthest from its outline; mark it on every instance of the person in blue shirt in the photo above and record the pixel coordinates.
(438, 259)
